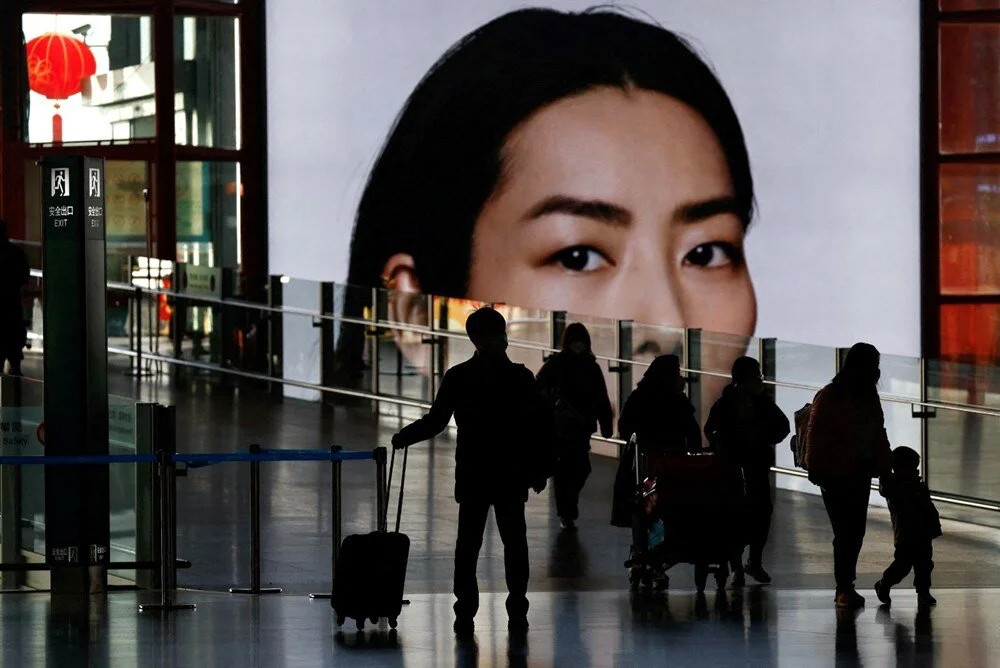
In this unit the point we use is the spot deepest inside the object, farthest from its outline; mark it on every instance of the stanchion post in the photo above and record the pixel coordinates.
(255, 587)
(168, 536)
(336, 518)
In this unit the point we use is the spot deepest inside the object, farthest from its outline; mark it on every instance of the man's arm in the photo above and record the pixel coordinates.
(605, 416)
(434, 422)
(778, 423)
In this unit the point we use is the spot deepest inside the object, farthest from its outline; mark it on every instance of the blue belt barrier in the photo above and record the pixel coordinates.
(206, 458)
(48, 460)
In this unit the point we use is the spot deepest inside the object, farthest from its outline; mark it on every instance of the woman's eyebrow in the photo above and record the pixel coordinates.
(598, 210)
(693, 212)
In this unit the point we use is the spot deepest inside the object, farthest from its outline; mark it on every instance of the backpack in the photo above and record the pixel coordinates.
(800, 437)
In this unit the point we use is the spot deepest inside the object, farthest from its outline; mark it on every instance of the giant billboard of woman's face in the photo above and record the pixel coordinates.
(588, 162)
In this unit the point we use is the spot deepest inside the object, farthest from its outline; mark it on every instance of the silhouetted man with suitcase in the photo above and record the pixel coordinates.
(504, 447)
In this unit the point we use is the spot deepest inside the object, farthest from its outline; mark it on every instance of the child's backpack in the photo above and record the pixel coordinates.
(799, 438)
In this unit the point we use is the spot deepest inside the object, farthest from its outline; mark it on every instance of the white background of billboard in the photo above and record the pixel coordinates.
(827, 92)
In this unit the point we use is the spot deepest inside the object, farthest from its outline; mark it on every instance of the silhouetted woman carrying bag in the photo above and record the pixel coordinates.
(574, 384)
(846, 447)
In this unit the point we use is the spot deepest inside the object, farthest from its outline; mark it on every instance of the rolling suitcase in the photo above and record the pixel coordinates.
(371, 569)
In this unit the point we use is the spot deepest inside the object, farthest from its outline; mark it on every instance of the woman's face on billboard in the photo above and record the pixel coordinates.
(616, 203)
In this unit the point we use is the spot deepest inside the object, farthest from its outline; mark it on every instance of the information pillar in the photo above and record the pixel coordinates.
(76, 384)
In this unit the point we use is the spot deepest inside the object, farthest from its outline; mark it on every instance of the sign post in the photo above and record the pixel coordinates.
(76, 359)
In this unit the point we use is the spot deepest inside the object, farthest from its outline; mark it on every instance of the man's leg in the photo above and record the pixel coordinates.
(514, 534)
(471, 524)
(758, 484)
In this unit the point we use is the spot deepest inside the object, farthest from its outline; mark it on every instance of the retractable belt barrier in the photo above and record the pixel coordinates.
(167, 474)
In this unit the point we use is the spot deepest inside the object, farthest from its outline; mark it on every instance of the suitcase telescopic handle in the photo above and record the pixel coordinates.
(388, 485)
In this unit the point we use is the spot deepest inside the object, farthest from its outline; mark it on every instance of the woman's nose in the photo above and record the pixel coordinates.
(649, 295)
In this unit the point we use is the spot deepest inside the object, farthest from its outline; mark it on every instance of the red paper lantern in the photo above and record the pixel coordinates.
(58, 64)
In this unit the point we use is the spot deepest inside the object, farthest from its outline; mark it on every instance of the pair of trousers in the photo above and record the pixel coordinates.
(846, 501)
(472, 515)
(916, 555)
(572, 471)
(757, 481)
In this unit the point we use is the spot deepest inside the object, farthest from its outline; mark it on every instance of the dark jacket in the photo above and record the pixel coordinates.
(914, 517)
(846, 436)
(661, 420)
(575, 382)
(745, 427)
(504, 428)
(14, 275)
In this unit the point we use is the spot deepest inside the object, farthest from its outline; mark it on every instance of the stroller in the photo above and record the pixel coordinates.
(687, 509)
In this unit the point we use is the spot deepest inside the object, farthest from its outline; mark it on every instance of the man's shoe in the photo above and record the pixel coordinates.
(757, 572)
(567, 524)
(464, 627)
(882, 592)
(519, 625)
(924, 598)
(849, 600)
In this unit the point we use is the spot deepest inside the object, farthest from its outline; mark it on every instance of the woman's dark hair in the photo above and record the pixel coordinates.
(575, 333)
(662, 374)
(443, 157)
(859, 373)
(745, 368)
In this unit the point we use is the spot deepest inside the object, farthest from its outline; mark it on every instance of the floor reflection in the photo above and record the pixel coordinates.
(568, 558)
(846, 645)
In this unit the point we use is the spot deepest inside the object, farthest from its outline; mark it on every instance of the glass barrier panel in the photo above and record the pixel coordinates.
(901, 378)
(121, 483)
(963, 383)
(22, 413)
(962, 453)
(300, 337)
(799, 364)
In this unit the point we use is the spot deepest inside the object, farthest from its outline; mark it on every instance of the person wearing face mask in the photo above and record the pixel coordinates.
(743, 426)
(574, 385)
(504, 427)
(846, 447)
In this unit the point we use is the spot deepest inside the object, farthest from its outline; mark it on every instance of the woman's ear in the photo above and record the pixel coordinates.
(407, 306)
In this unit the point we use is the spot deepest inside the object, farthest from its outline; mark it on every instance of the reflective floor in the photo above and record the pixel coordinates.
(759, 627)
(581, 613)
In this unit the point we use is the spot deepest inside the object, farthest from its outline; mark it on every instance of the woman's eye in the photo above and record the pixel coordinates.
(717, 254)
(580, 258)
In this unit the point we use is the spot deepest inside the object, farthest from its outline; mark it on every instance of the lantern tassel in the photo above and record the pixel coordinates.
(57, 128)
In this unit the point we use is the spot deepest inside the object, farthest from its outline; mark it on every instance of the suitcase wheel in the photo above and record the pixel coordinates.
(360, 623)
(392, 622)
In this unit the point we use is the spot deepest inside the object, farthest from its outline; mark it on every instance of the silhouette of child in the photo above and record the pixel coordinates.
(915, 523)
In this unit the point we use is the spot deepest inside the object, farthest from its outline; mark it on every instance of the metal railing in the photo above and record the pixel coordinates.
(921, 407)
